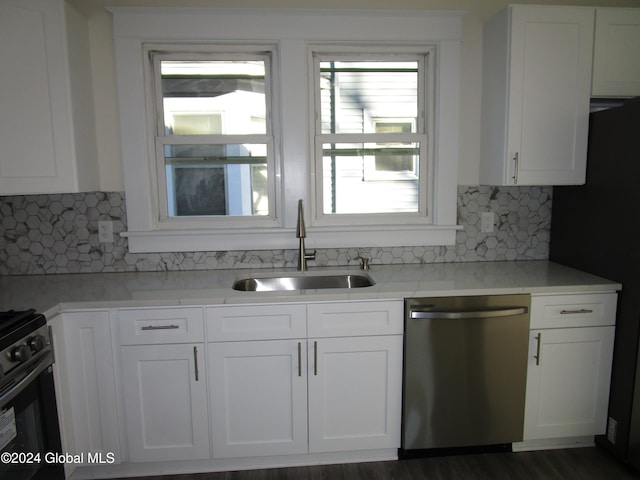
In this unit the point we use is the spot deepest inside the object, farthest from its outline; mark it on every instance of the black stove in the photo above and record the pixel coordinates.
(24, 336)
(28, 409)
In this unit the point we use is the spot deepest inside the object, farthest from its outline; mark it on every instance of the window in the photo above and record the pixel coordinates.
(214, 142)
(230, 116)
(371, 142)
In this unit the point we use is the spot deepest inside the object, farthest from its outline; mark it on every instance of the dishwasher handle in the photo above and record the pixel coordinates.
(457, 314)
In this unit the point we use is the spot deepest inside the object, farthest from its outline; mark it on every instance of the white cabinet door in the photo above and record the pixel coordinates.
(259, 398)
(165, 394)
(355, 389)
(616, 63)
(568, 382)
(47, 128)
(85, 383)
(536, 91)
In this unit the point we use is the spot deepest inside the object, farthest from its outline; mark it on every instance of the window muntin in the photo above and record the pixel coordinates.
(214, 143)
(372, 150)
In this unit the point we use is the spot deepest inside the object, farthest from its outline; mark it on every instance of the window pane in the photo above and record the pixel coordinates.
(370, 178)
(357, 95)
(222, 179)
(213, 97)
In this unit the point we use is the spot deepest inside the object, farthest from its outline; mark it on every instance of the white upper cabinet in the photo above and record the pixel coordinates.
(535, 99)
(47, 128)
(616, 63)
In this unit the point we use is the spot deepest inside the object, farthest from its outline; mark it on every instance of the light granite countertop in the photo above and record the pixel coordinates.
(50, 294)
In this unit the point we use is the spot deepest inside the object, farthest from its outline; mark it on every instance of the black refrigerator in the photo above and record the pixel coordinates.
(596, 228)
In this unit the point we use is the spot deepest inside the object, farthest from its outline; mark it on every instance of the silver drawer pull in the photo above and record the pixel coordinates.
(574, 312)
(315, 358)
(195, 363)
(160, 327)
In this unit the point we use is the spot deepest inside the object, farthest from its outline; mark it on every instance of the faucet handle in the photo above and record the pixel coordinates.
(364, 262)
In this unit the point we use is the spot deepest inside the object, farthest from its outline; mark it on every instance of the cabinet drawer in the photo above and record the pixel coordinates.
(355, 318)
(579, 310)
(256, 322)
(140, 326)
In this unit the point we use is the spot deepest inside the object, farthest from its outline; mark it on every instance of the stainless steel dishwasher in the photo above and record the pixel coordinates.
(465, 368)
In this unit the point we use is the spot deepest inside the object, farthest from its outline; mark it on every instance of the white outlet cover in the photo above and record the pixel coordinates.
(105, 231)
(487, 222)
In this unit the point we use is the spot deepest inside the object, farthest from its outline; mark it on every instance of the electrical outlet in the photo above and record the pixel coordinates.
(487, 222)
(105, 231)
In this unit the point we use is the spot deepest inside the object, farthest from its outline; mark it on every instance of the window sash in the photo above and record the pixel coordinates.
(166, 218)
(422, 136)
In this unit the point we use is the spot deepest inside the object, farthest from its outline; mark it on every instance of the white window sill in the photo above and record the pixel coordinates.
(256, 239)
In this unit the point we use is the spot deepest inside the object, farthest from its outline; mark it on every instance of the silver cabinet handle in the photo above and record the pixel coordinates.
(299, 359)
(494, 312)
(160, 327)
(315, 358)
(538, 348)
(195, 363)
(574, 312)
(53, 350)
(515, 168)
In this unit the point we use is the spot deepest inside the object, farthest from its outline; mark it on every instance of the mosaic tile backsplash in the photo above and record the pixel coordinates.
(46, 234)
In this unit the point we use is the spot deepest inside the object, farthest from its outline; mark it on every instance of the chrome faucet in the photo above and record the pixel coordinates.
(301, 233)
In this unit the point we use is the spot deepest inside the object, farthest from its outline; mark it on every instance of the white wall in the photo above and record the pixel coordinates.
(103, 65)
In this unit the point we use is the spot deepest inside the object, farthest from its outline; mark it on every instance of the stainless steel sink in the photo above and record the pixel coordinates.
(306, 282)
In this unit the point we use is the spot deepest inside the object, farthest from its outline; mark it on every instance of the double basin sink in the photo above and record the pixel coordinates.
(302, 282)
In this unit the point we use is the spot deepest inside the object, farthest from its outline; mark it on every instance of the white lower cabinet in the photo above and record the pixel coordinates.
(166, 403)
(570, 356)
(85, 384)
(568, 384)
(259, 398)
(243, 386)
(354, 393)
(329, 393)
(207, 388)
(164, 385)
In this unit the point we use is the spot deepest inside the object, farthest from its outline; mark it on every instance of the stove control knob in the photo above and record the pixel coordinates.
(21, 353)
(37, 343)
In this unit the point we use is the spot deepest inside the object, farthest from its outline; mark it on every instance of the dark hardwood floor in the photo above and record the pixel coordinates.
(569, 464)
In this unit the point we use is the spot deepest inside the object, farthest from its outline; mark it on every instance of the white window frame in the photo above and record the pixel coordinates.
(289, 33)
(156, 53)
(423, 55)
